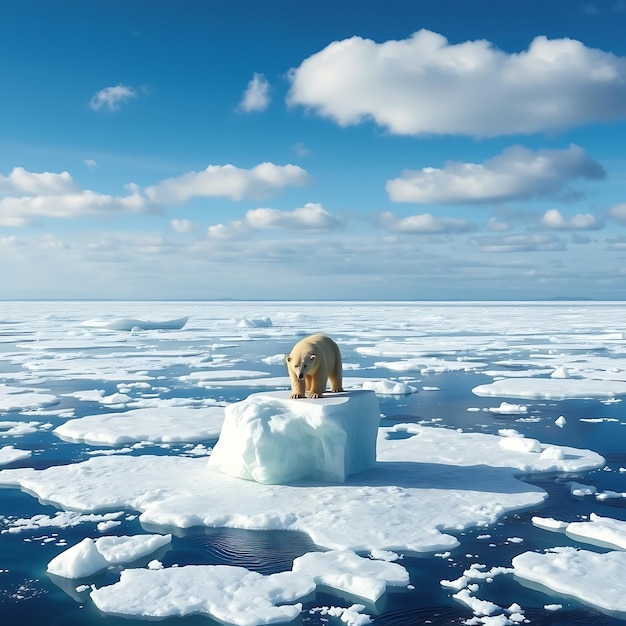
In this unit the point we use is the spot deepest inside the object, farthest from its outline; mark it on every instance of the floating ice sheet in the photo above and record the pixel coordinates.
(588, 576)
(436, 481)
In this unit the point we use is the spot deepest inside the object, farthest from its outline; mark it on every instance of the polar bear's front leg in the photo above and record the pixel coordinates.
(318, 383)
(297, 386)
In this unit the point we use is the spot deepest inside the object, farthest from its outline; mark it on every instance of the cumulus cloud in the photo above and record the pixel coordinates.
(525, 242)
(228, 181)
(21, 211)
(553, 219)
(31, 183)
(110, 98)
(515, 174)
(426, 85)
(312, 216)
(424, 224)
(28, 195)
(182, 226)
(256, 96)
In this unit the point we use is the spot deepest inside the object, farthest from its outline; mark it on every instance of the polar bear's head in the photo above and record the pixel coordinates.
(302, 365)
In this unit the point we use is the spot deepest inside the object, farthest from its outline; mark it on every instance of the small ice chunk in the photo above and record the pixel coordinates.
(552, 453)
(603, 531)
(346, 571)
(560, 372)
(384, 555)
(506, 408)
(479, 607)
(520, 444)
(580, 490)
(9, 454)
(560, 421)
(389, 387)
(91, 556)
(549, 523)
(82, 559)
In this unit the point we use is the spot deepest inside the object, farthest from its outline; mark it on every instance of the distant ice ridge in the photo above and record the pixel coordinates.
(129, 324)
(273, 439)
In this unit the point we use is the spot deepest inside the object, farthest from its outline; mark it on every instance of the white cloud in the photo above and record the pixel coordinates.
(256, 96)
(110, 98)
(515, 174)
(31, 183)
(423, 224)
(425, 85)
(619, 212)
(526, 242)
(233, 230)
(553, 219)
(228, 181)
(312, 216)
(91, 164)
(497, 225)
(21, 211)
(8, 242)
(182, 226)
(301, 150)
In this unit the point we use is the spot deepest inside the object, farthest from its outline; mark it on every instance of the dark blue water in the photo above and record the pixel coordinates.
(29, 595)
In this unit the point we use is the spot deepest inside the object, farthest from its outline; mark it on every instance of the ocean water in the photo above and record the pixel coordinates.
(51, 348)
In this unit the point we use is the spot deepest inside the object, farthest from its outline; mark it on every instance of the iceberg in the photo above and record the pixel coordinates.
(273, 439)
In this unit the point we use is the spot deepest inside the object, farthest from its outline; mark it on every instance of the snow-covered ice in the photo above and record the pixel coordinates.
(552, 388)
(9, 454)
(601, 531)
(120, 379)
(230, 594)
(593, 578)
(433, 481)
(158, 424)
(273, 439)
(93, 555)
(235, 595)
(345, 571)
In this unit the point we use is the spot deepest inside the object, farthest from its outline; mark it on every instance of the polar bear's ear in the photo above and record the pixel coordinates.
(288, 359)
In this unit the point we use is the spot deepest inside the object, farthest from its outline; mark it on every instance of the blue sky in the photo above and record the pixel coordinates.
(328, 150)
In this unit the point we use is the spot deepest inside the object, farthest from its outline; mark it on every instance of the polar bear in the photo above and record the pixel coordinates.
(313, 361)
